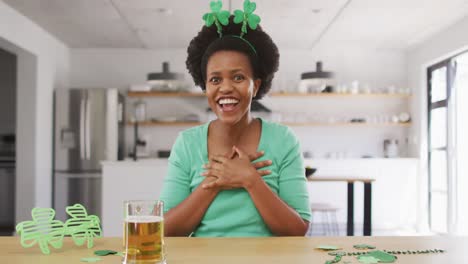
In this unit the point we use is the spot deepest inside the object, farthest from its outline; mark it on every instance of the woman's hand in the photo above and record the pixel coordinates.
(258, 165)
(237, 171)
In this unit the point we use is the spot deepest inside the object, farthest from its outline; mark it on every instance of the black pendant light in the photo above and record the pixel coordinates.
(165, 75)
(317, 74)
(318, 81)
(166, 81)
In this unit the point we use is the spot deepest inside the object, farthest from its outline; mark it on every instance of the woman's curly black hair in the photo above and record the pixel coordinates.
(264, 62)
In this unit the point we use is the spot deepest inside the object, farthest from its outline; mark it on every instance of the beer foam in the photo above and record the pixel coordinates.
(143, 219)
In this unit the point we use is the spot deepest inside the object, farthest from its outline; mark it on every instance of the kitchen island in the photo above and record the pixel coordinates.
(395, 193)
(248, 250)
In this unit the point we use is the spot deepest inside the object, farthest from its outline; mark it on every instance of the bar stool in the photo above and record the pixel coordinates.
(328, 216)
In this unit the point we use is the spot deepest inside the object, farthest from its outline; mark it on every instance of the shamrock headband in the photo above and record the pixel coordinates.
(220, 18)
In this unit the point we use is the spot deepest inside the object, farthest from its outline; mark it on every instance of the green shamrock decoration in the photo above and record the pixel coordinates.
(363, 246)
(327, 247)
(105, 252)
(368, 260)
(337, 253)
(247, 17)
(90, 260)
(82, 227)
(335, 260)
(42, 230)
(217, 16)
(382, 256)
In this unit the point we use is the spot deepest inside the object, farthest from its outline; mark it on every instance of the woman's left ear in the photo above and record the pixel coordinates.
(257, 84)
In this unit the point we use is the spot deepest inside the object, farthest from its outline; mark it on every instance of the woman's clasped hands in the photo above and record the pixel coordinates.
(235, 170)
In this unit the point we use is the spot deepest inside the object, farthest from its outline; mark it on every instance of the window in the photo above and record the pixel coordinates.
(461, 145)
(448, 144)
(438, 80)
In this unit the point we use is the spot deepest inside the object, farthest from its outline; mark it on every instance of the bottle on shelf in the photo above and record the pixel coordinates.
(140, 111)
(391, 148)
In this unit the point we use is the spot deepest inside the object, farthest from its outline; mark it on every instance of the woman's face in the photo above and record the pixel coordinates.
(230, 86)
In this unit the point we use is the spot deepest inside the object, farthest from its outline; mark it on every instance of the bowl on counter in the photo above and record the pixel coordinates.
(309, 171)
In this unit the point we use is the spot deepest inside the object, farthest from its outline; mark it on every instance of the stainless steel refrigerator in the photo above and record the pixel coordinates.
(88, 129)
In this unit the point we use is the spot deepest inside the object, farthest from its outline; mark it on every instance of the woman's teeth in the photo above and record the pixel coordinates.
(228, 104)
(228, 101)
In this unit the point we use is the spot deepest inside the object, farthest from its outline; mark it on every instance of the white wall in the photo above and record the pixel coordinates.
(121, 67)
(7, 92)
(43, 64)
(377, 68)
(445, 44)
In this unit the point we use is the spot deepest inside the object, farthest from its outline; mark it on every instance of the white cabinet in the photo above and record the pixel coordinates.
(394, 196)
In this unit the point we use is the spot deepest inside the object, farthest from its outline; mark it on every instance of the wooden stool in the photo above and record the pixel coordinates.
(328, 215)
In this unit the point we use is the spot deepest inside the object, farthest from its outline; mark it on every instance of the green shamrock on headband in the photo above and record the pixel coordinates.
(217, 16)
(247, 17)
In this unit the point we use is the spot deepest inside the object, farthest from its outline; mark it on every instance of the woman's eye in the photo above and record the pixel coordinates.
(215, 80)
(239, 78)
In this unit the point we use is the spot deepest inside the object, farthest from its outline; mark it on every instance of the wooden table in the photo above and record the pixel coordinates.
(286, 250)
(367, 200)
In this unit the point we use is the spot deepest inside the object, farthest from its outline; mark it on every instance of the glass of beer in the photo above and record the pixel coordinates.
(143, 232)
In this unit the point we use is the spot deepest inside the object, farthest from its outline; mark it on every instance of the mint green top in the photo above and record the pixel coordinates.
(233, 213)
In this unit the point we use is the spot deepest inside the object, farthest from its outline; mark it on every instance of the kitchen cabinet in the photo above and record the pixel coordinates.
(395, 178)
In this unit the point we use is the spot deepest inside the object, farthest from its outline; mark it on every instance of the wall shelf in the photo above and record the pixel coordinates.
(362, 95)
(346, 124)
(158, 123)
(188, 94)
(164, 94)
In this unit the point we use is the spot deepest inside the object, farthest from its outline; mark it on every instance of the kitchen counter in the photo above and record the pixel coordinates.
(247, 250)
(138, 162)
(394, 195)
(309, 162)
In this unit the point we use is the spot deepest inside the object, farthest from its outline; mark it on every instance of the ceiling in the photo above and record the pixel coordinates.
(293, 24)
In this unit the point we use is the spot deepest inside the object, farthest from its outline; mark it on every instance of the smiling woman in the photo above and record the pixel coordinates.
(237, 175)
(230, 85)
